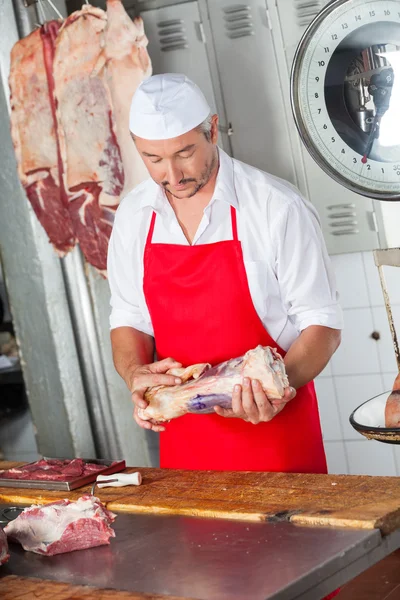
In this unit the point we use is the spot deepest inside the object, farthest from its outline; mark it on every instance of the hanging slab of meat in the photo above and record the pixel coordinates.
(34, 134)
(204, 386)
(4, 555)
(392, 408)
(62, 526)
(93, 170)
(127, 63)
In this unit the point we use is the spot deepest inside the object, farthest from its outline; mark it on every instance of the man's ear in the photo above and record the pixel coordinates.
(214, 129)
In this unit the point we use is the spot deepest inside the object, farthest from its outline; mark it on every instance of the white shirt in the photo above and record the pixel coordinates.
(288, 268)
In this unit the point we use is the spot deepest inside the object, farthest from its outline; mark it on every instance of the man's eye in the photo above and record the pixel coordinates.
(187, 155)
(156, 161)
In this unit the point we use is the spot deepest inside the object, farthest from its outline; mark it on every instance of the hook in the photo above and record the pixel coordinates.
(55, 9)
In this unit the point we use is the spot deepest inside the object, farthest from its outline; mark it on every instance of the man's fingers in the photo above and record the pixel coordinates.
(162, 366)
(224, 412)
(288, 395)
(249, 406)
(138, 399)
(265, 410)
(147, 424)
(142, 382)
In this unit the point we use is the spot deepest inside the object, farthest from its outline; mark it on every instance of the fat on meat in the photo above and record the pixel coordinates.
(34, 134)
(62, 526)
(4, 555)
(204, 387)
(127, 64)
(93, 169)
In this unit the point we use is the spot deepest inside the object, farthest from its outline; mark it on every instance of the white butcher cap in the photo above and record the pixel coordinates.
(166, 106)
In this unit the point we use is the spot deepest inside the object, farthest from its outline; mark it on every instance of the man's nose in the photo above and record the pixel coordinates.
(174, 174)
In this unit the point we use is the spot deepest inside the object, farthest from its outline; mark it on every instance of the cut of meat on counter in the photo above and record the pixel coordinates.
(71, 86)
(392, 409)
(53, 470)
(62, 526)
(4, 555)
(204, 387)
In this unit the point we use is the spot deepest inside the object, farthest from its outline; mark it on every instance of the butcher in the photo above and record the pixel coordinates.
(209, 258)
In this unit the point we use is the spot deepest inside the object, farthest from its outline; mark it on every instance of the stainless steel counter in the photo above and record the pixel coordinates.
(211, 559)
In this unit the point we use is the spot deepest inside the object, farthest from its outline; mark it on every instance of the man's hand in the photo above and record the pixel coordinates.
(147, 376)
(250, 403)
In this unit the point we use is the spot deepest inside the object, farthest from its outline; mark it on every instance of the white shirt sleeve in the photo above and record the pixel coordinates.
(303, 268)
(125, 298)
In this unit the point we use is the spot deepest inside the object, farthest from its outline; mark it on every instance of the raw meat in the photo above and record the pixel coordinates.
(93, 170)
(62, 526)
(204, 386)
(4, 556)
(52, 470)
(34, 134)
(392, 408)
(127, 64)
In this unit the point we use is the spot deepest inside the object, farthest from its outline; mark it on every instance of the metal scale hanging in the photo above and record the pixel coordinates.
(345, 95)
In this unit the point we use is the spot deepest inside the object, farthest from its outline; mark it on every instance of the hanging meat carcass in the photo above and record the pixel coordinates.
(93, 170)
(34, 134)
(127, 64)
(204, 387)
(69, 76)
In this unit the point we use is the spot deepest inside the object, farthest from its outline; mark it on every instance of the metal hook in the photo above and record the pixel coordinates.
(41, 9)
(55, 9)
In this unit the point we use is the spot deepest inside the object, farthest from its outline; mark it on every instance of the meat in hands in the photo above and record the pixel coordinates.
(204, 386)
(392, 408)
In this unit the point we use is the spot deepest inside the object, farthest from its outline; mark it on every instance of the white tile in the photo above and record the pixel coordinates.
(392, 277)
(385, 343)
(351, 391)
(351, 280)
(388, 380)
(336, 458)
(328, 410)
(369, 457)
(358, 352)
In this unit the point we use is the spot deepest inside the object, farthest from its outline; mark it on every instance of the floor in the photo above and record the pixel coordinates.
(380, 582)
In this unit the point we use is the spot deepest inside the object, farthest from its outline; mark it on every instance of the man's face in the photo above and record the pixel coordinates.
(181, 165)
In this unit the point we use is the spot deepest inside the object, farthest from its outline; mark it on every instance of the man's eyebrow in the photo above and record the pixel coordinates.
(185, 149)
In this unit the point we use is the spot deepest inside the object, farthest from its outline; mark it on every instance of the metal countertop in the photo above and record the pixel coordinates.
(212, 559)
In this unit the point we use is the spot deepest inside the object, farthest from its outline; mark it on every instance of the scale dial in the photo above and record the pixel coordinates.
(345, 94)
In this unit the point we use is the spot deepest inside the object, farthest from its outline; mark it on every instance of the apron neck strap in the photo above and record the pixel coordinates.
(151, 228)
(234, 224)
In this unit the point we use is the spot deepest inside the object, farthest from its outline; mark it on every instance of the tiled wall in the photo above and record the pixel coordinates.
(361, 368)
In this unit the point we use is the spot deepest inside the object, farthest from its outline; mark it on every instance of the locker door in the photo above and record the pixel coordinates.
(251, 87)
(177, 45)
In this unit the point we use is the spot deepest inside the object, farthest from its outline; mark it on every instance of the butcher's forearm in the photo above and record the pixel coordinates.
(131, 349)
(310, 354)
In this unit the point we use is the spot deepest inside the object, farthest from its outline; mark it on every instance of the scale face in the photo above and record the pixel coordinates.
(345, 94)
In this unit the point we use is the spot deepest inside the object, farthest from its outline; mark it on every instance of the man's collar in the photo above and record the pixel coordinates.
(154, 196)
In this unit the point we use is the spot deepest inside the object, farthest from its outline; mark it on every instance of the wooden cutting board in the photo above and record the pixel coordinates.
(356, 501)
(25, 588)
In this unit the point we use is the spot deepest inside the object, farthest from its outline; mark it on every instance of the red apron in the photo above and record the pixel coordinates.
(202, 311)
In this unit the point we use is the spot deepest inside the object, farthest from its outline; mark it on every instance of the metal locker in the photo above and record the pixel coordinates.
(251, 88)
(177, 44)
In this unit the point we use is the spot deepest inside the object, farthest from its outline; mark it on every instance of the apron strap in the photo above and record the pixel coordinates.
(151, 229)
(234, 224)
